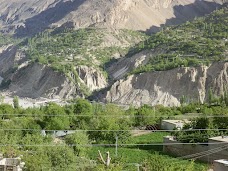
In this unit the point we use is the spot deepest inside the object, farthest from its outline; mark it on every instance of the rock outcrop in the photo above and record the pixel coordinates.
(167, 87)
(36, 81)
(28, 17)
(125, 65)
(7, 58)
(91, 77)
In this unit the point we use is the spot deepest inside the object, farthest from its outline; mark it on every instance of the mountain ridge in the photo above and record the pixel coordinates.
(28, 18)
(111, 64)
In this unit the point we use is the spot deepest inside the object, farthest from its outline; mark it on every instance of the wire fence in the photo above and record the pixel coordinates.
(112, 145)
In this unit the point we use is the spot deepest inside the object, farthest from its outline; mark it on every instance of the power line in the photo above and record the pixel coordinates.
(121, 130)
(110, 145)
(118, 116)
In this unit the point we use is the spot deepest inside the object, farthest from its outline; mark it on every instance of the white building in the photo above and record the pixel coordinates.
(173, 124)
(220, 165)
(219, 139)
(11, 164)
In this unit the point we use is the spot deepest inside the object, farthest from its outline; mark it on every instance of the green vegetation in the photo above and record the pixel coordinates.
(218, 107)
(201, 41)
(150, 157)
(96, 124)
(91, 47)
(31, 132)
(6, 39)
(64, 51)
(202, 136)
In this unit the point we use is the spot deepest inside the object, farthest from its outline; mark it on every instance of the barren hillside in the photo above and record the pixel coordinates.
(27, 17)
(111, 64)
(168, 87)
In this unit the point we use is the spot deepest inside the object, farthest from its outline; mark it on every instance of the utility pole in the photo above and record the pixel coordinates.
(116, 145)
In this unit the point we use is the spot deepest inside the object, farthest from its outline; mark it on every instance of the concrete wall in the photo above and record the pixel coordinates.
(183, 150)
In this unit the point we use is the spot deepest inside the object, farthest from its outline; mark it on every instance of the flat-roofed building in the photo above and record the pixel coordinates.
(173, 124)
(11, 164)
(220, 165)
(219, 139)
(216, 148)
(220, 144)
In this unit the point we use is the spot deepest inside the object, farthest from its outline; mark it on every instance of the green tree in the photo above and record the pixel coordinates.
(55, 119)
(16, 102)
(7, 110)
(144, 116)
(1, 98)
(102, 121)
(62, 158)
(82, 141)
(83, 107)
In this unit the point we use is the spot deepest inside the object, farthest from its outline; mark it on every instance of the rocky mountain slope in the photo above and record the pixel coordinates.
(201, 41)
(165, 67)
(131, 67)
(28, 17)
(63, 64)
(34, 80)
(168, 87)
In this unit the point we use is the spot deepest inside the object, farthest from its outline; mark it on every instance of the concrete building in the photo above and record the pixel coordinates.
(173, 124)
(58, 133)
(11, 164)
(220, 165)
(216, 148)
(219, 142)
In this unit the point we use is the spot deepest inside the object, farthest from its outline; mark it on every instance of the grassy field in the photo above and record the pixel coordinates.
(129, 155)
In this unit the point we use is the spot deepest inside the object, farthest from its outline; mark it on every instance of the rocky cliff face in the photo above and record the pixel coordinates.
(28, 17)
(167, 87)
(7, 57)
(125, 65)
(35, 80)
(91, 77)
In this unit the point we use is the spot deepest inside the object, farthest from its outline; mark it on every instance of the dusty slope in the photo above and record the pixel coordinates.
(39, 81)
(167, 87)
(25, 16)
(7, 57)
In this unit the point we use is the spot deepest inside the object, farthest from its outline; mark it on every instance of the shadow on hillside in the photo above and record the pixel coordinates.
(187, 13)
(42, 21)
